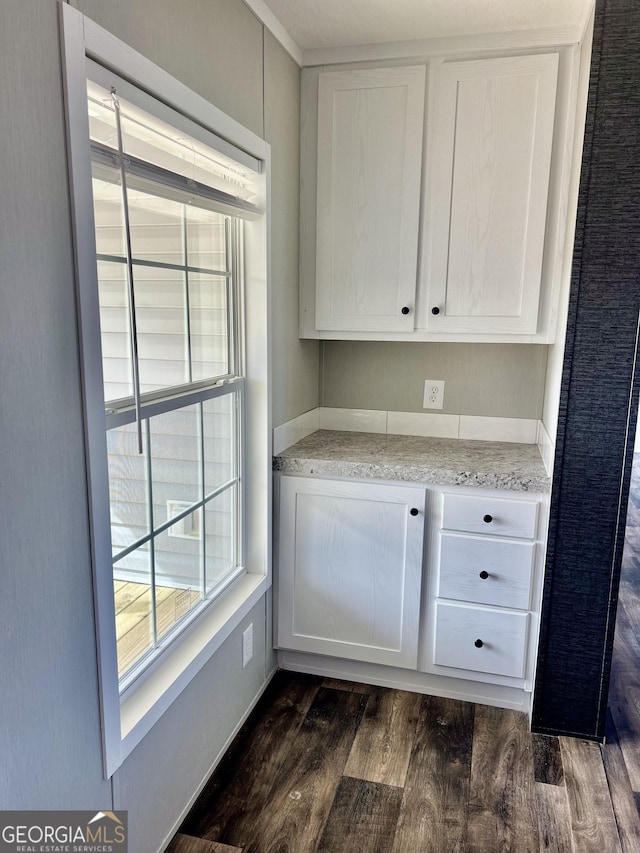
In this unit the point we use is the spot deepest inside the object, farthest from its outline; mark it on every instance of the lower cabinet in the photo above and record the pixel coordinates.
(444, 581)
(482, 610)
(350, 569)
(459, 632)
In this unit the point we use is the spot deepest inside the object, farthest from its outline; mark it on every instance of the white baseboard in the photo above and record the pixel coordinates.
(185, 811)
(405, 679)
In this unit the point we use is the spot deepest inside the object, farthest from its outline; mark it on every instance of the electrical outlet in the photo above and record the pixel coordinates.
(247, 645)
(433, 394)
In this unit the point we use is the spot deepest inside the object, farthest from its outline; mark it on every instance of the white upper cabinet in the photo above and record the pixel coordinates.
(492, 133)
(370, 128)
(437, 199)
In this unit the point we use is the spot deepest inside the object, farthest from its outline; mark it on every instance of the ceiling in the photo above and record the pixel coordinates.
(317, 24)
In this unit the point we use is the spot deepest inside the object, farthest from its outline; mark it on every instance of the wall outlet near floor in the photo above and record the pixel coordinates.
(247, 645)
(433, 394)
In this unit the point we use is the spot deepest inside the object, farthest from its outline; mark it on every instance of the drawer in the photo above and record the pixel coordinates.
(490, 516)
(486, 571)
(502, 636)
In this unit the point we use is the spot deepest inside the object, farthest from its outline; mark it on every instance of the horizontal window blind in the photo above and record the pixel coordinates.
(166, 161)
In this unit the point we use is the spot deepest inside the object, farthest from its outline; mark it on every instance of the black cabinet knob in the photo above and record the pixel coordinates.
(435, 310)
(404, 310)
(484, 575)
(414, 511)
(478, 644)
(488, 519)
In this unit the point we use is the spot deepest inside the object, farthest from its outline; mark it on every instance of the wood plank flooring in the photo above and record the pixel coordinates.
(329, 767)
(326, 766)
(621, 752)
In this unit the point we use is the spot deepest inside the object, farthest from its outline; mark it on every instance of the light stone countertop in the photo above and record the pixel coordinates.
(414, 459)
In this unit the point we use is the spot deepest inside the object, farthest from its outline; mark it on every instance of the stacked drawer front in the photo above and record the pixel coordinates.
(486, 567)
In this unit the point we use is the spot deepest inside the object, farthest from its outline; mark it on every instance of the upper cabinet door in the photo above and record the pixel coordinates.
(490, 143)
(370, 128)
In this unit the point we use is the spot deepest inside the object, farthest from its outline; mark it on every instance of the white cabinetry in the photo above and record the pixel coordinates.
(482, 613)
(370, 125)
(428, 588)
(350, 569)
(492, 131)
(454, 232)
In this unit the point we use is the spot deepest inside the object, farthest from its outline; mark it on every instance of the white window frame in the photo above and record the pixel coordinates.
(127, 717)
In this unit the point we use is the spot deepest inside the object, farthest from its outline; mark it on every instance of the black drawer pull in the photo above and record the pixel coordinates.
(435, 310)
(488, 519)
(484, 575)
(405, 310)
(478, 644)
(414, 511)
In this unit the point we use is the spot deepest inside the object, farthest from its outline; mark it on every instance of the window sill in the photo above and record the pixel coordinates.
(145, 701)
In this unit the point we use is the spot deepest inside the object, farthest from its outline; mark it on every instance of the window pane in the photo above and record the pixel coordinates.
(128, 488)
(179, 568)
(157, 228)
(161, 320)
(209, 318)
(219, 441)
(133, 603)
(176, 470)
(109, 218)
(206, 240)
(115, 330)
(220, 538)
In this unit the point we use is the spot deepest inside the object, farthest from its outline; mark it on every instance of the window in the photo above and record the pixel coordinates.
(170, 225)
(167, 212)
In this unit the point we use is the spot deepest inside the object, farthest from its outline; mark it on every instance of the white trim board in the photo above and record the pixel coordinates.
(445, 45)
(277, 29)
(427, 424)
(546, 446)
(112, 53)
(396, 678)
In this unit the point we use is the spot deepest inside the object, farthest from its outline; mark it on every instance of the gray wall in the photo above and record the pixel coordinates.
(50, 736)
(50, 733)
(496, 380)
(295, 362)
(161, 775)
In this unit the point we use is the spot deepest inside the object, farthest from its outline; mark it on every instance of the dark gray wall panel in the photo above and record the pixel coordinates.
(598, 399)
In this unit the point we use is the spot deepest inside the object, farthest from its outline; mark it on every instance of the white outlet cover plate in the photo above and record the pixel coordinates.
(433, 394)
(247, 645)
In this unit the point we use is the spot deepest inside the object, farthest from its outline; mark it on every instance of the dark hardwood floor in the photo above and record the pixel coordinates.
(331, 767)
(621, 751)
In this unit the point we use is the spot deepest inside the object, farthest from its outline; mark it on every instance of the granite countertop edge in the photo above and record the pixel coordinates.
(336, 455)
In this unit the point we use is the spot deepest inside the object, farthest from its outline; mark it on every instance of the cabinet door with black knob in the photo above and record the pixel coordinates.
(350, 569)
(491, 143)
(370, 127)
